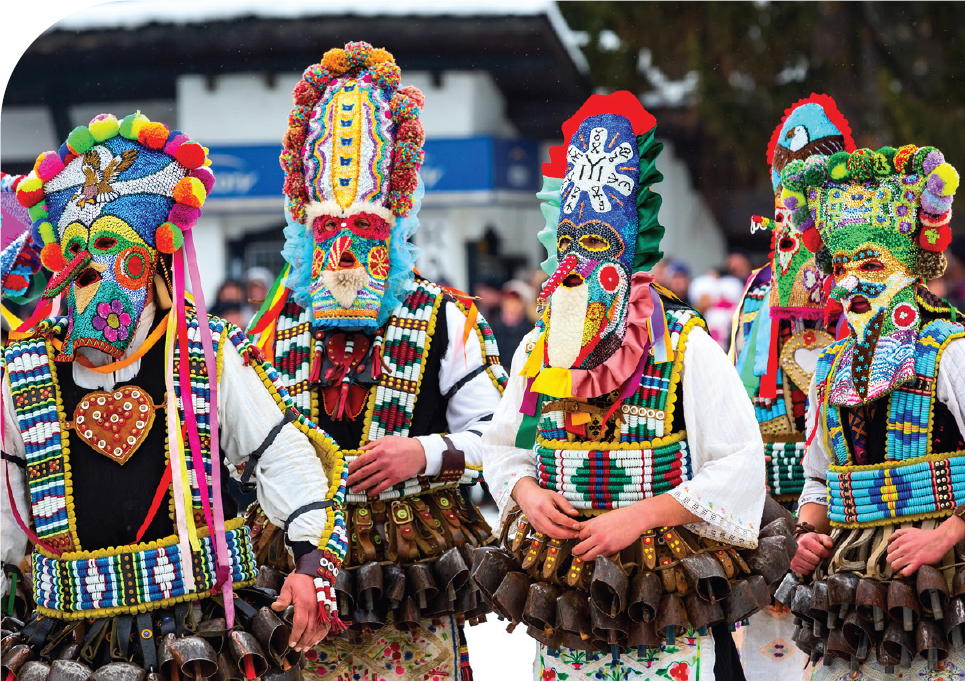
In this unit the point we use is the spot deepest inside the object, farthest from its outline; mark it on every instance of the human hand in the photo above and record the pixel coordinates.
(609, 533)
(385, 462)
(911, 548)
(307, 629)
(547, 511)
(811, 548)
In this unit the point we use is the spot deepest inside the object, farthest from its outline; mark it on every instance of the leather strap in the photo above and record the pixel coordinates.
(453, 463)
(145, 630)
(308, 564)
(246, 485)
(19, 461)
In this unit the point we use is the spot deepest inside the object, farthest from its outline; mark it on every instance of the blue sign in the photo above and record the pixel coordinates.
(466, 164)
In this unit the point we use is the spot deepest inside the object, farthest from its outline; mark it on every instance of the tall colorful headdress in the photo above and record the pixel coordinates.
(900, 198)
(353, 146)
(115, 196)
(810, 126)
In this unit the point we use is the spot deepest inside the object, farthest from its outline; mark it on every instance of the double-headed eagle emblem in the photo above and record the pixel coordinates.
(97, 187)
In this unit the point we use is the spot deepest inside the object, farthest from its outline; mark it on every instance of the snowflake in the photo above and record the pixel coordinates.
(595, 171)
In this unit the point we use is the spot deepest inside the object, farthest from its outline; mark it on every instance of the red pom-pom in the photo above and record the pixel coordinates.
(190, 155)
(52, 257)
(411, 131)
(153, 135)
(28, 198)
(168, 238)
(935, 238)
(305, 94)
(812, 239)
(415, 94)
(294, 138)
(404, 179)
(15, 282)
(295, 186)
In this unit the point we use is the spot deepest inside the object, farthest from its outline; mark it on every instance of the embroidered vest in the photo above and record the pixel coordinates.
(647, 453)
(405, 343)
(914, 481)
(103, 582)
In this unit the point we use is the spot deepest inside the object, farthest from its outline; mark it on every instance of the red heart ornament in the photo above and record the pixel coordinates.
(115, 423)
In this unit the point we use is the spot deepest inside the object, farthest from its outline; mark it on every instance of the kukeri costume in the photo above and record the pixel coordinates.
(780, 328)
(369, 350)
(139, 560)
(885, 412)
(619, 395)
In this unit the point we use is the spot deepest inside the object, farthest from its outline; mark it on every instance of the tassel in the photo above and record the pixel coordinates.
(316, 369)
(342, 399)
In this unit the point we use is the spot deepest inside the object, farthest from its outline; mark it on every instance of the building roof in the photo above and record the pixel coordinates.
(136, 50)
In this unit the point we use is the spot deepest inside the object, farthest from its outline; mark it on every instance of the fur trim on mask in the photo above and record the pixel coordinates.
(345, 284)
(315, 209)
(564, 339)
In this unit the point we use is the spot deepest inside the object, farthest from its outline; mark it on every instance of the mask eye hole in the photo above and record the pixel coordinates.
(564, 243)
(872, 266)
(592, 242)
(839, 271)
(362, 223)
(105, 243)
(787, 244)
(74, 248)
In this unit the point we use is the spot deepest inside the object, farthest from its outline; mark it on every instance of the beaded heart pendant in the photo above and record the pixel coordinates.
(115, 423)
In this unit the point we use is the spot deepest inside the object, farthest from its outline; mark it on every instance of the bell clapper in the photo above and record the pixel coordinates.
(879, 617)
(933, 659)
(936, 604)
(907, 619)
(905, 658)
(670, 635)
(863, 646)
(957, 637)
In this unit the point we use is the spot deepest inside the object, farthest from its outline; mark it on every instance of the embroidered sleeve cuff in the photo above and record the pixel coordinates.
(308, 562)
(714, 525)
(814, 492)
(434, 447)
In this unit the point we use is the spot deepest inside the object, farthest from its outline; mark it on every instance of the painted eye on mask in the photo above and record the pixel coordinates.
(592, 242)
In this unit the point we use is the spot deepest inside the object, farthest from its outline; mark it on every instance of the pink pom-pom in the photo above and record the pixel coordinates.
(304, 94)
(184, 216)
(205, 176)
(48, 165)
(172, 145)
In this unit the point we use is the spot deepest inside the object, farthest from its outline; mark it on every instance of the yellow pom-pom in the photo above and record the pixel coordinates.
(947, 172)
(190, 191)
(796, 199)
(335, 61)
(839, 171)
(104, 127)
(379, 55)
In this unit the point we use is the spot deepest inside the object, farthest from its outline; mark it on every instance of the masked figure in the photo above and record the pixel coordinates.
(140, 564)
(625, 440)
(781, 328)
(884, 411)
(402, 373)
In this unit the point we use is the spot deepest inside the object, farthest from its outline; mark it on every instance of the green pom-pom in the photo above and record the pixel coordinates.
(793, 176)
(800, 216)
(815, 170)
(131, 125)
(838, 166)
(918, 161)
(882, 166)
(80, 139)
(38, 211)
(47, 233)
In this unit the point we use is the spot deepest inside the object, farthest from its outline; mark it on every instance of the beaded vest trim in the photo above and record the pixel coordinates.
(913, 482)
(647, 460)
(391, 403)
(40, 413)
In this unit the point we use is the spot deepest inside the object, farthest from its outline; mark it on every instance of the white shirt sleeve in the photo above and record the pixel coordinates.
(506, 464)
(816, 457)
(951, 380)
(13, 541)
(472, 396)
(728, 486)
(288, 474)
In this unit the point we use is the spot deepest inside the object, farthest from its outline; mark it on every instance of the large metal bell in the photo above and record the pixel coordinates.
(608, 586)
(707, 576)
(68, 671)
(645, 592)
(34, 670)
(119, 670)
(14, 658)
(195, 657)
(540, 610)
(510, 598)
(247, 652)
(272, 633)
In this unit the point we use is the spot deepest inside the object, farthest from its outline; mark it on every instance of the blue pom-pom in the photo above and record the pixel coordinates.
(63, 151)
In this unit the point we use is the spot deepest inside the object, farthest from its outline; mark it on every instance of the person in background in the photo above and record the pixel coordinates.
(488, 296)
(258, 281)
(738, 265)
(677, 276)
(230, 293)
(716, 297)
(537, 278)
(511, 323)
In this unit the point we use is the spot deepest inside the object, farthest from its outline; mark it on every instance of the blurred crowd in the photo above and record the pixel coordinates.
(510, 306)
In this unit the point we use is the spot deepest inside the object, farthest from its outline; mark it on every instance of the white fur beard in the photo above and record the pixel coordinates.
(345, 284)
(567, 318)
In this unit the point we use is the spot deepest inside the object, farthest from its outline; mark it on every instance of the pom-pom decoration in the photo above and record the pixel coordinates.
(190, 191)
(30, 191)
(861, 165)
(131, 124)
(52, 257)
(184, 216)
(903, 158)
(169, 238)
(104, 127)
(48, 165)
(205, 177)
(80, 140)
(935, 238)
(191, 155)
(153, 135)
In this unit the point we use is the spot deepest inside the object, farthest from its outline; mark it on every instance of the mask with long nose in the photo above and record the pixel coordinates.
(589, 293)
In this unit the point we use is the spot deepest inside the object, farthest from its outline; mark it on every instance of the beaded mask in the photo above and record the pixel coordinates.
(105, 205)
(879, 222)
(352, 153)
(596, 238)
(811, 126)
